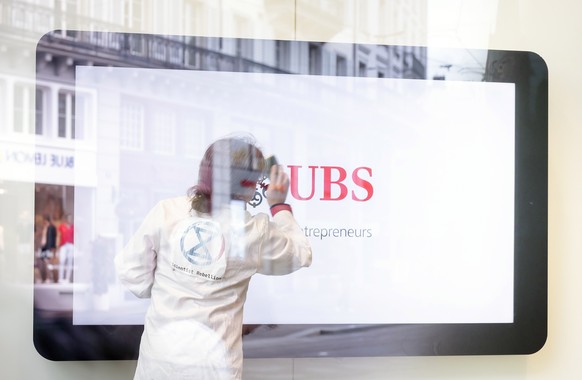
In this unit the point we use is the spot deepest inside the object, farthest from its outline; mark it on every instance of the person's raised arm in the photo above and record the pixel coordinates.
(285, 248)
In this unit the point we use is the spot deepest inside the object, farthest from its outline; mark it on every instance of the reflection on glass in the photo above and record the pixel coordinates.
(93, 139)
(139, 133)
(91, 147)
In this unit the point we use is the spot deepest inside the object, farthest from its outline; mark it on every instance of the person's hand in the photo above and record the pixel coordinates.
(278, 186)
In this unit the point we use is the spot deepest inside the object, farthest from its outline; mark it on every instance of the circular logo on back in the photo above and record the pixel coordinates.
(202, 243)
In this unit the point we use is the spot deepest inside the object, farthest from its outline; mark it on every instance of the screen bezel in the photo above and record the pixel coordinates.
(526, 335)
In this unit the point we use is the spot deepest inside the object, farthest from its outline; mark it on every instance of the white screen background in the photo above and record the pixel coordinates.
(441, 216)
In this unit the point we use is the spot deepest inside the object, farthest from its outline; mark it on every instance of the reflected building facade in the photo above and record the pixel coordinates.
(50, 129)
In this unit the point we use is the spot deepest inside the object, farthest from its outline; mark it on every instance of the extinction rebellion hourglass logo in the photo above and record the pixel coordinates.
(202, 243)
(198, 248)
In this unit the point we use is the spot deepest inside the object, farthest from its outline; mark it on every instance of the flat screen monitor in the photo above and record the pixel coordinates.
(421, 185)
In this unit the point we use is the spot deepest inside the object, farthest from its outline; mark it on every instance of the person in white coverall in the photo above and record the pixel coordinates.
(195, 255)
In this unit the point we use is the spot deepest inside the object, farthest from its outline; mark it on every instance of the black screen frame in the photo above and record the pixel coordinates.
(56, 338)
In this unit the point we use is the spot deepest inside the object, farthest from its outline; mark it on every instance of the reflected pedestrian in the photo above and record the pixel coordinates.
(48, 255)
(65, 253)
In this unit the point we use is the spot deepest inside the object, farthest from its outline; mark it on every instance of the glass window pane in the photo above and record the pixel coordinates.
(131, 127)
(62, 109)
(39, 121)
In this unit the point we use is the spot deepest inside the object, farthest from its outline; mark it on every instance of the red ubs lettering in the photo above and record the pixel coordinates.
(334, 177)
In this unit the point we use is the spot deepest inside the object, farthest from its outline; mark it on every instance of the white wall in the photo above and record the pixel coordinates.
(551, 29)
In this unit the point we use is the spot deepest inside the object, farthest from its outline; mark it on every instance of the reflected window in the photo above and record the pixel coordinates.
(363, 19)
(40, 113)
(396, 52)
(131, 202)
(132, 13)
(196, 20)
(68, 7)
(18, 17)
(193, 138)
(23, 110)
(245, 48)
(176, 53)
(341, 65)
(163, 132)
(66, 115)
(382, 68)
(80, 116)
(136, 45)
(315, 59)
(131, 128)
(106, 40)
(362, 69)
(158, 49)
(283, 55)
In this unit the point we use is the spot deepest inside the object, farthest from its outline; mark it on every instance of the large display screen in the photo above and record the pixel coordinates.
(424, 200)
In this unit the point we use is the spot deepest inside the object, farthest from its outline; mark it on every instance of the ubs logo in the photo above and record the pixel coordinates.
(326, 183)
(202, 243)
(335, 184)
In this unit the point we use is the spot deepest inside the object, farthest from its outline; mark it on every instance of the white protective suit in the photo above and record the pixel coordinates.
(197, 269)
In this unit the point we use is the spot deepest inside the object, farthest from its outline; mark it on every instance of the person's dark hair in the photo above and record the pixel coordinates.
(235, 162)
